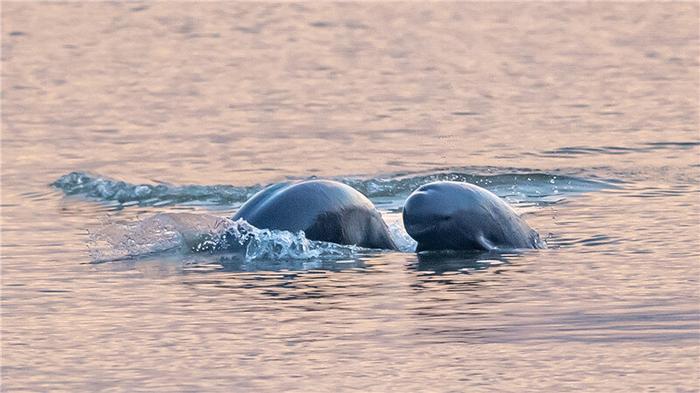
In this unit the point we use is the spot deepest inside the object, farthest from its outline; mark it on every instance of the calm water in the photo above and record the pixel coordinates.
(584, 116)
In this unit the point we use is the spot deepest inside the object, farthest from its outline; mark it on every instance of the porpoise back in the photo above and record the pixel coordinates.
(325, 210)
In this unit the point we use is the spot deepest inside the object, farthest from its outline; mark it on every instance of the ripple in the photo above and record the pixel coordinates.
(516, 187)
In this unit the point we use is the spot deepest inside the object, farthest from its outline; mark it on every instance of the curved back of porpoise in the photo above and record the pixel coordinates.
(325, 210)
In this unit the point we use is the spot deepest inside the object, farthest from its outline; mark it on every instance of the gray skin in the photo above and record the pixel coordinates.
(325, 210)
(461, 216)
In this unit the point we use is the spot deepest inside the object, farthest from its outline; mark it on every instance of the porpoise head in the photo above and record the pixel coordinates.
(435, 215)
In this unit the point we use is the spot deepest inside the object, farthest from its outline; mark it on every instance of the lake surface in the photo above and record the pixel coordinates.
(583, 116)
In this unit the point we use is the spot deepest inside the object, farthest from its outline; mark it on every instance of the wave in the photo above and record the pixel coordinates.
(106, 189)
(515, 187)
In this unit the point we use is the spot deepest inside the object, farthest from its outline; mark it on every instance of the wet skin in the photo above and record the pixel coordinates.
(325, 210)
(461, 216)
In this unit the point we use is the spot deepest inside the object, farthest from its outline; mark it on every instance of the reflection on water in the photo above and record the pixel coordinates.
(463, 261)
(143, 109)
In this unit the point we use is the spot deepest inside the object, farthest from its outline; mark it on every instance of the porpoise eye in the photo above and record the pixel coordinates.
(444, 218)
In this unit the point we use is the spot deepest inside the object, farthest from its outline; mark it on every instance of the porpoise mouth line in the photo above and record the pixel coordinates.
(418, 232)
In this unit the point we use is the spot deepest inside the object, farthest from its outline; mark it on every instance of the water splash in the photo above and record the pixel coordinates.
(539, 188)
(404, 242)
(197, 233)
(120, 241)
(232, 236)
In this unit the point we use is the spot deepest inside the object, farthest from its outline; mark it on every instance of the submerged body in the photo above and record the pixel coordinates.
(325, 210)
(461, 216)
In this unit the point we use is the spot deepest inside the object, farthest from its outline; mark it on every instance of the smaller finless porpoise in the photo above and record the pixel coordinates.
(448, 215)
